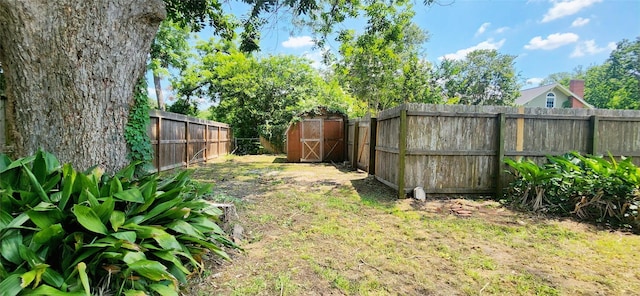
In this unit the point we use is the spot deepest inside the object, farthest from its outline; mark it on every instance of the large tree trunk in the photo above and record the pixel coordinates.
(71, 67)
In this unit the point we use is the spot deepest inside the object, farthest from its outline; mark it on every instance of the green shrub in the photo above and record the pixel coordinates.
(589, 187)
(64, 232)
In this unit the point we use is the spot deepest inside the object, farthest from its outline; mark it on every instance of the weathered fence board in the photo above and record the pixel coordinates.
(460, 149)
(180, 140)
(361, 133)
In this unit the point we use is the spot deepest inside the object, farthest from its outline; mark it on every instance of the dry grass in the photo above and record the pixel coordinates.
(317, 229)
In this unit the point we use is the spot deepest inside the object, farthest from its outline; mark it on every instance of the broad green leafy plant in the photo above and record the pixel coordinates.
(64, 232)
(590, 187)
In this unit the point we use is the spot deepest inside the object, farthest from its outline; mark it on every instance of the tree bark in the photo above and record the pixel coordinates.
(158, 86)
(71, 68)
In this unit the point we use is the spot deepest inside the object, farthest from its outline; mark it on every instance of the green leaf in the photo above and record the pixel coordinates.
(5, 219)
(18, 163)
(68, 181)
(134, 293)
(43, 165)
(183, 227)
(105, 209)
(5, 161)
(164, 290)
(89, 219)
(10, 286)
(10, 246)
(131, 195)
(161, 208)
(170, 256)
(132, 257)
(152, 270)
(115, 186)
(30, 256)
(27, 278)
(35, 185)
(148, 191)
(33, 275)
(45, 214)
(86, 196)
(84, 182)
(50, 233)
(52, 277)
(127, 172)
(129, 236)
(212, 247)
(84, 278)
(46, 290)
(164, 239)
(117, 219)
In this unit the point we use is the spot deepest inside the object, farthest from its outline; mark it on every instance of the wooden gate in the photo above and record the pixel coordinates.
(362, 158)
(311, 140)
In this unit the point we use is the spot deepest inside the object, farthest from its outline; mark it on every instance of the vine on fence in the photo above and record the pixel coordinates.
(136, 130)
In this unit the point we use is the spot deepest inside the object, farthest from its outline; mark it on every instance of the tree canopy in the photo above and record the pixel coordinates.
(257, 96)
(616, 83)
(382, 65)
(484, 77)
(563, 78)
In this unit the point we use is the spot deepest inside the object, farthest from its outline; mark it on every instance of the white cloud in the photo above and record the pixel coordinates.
(295, 42)
(482, 29)
(461, 54)
(315, 57)
(501, 30)
(553, 41)
(590, 47)
(566, 8)
(579, 22)
(534, 81)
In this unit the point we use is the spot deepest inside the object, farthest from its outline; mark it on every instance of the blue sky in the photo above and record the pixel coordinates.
(548, 36)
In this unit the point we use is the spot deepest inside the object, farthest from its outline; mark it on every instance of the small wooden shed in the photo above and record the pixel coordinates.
(318, 137)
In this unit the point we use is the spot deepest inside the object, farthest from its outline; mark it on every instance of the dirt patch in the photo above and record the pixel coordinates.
(322, 229)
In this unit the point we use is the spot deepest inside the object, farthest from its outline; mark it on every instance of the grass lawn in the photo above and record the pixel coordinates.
(318, 229)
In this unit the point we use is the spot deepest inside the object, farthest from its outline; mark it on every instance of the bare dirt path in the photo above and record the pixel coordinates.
(319, 229)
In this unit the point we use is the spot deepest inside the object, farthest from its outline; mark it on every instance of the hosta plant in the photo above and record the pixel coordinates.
(64, 232)
(590, 187)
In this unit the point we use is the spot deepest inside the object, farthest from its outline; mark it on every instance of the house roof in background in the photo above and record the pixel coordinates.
(526, 95)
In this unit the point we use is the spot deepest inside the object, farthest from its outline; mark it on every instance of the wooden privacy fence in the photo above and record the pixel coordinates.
(454, 149)
(179, 140)
(361, 132)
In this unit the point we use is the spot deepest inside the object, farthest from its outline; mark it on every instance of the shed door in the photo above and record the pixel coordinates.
(311, 140)
(333, 145)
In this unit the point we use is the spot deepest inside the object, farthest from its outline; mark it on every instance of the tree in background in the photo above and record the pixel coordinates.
(563, 78)
(484, 77)
(381, 66)
(616, 83)
(169, 49)
(257, 97)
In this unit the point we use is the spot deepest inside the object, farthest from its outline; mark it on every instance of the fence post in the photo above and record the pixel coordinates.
(500, 154)
(159, 140)
(356, 137)
(520, 132)
(593, 136)
(373, 126)
(218, 141)
(186, 145)
(402, 150)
